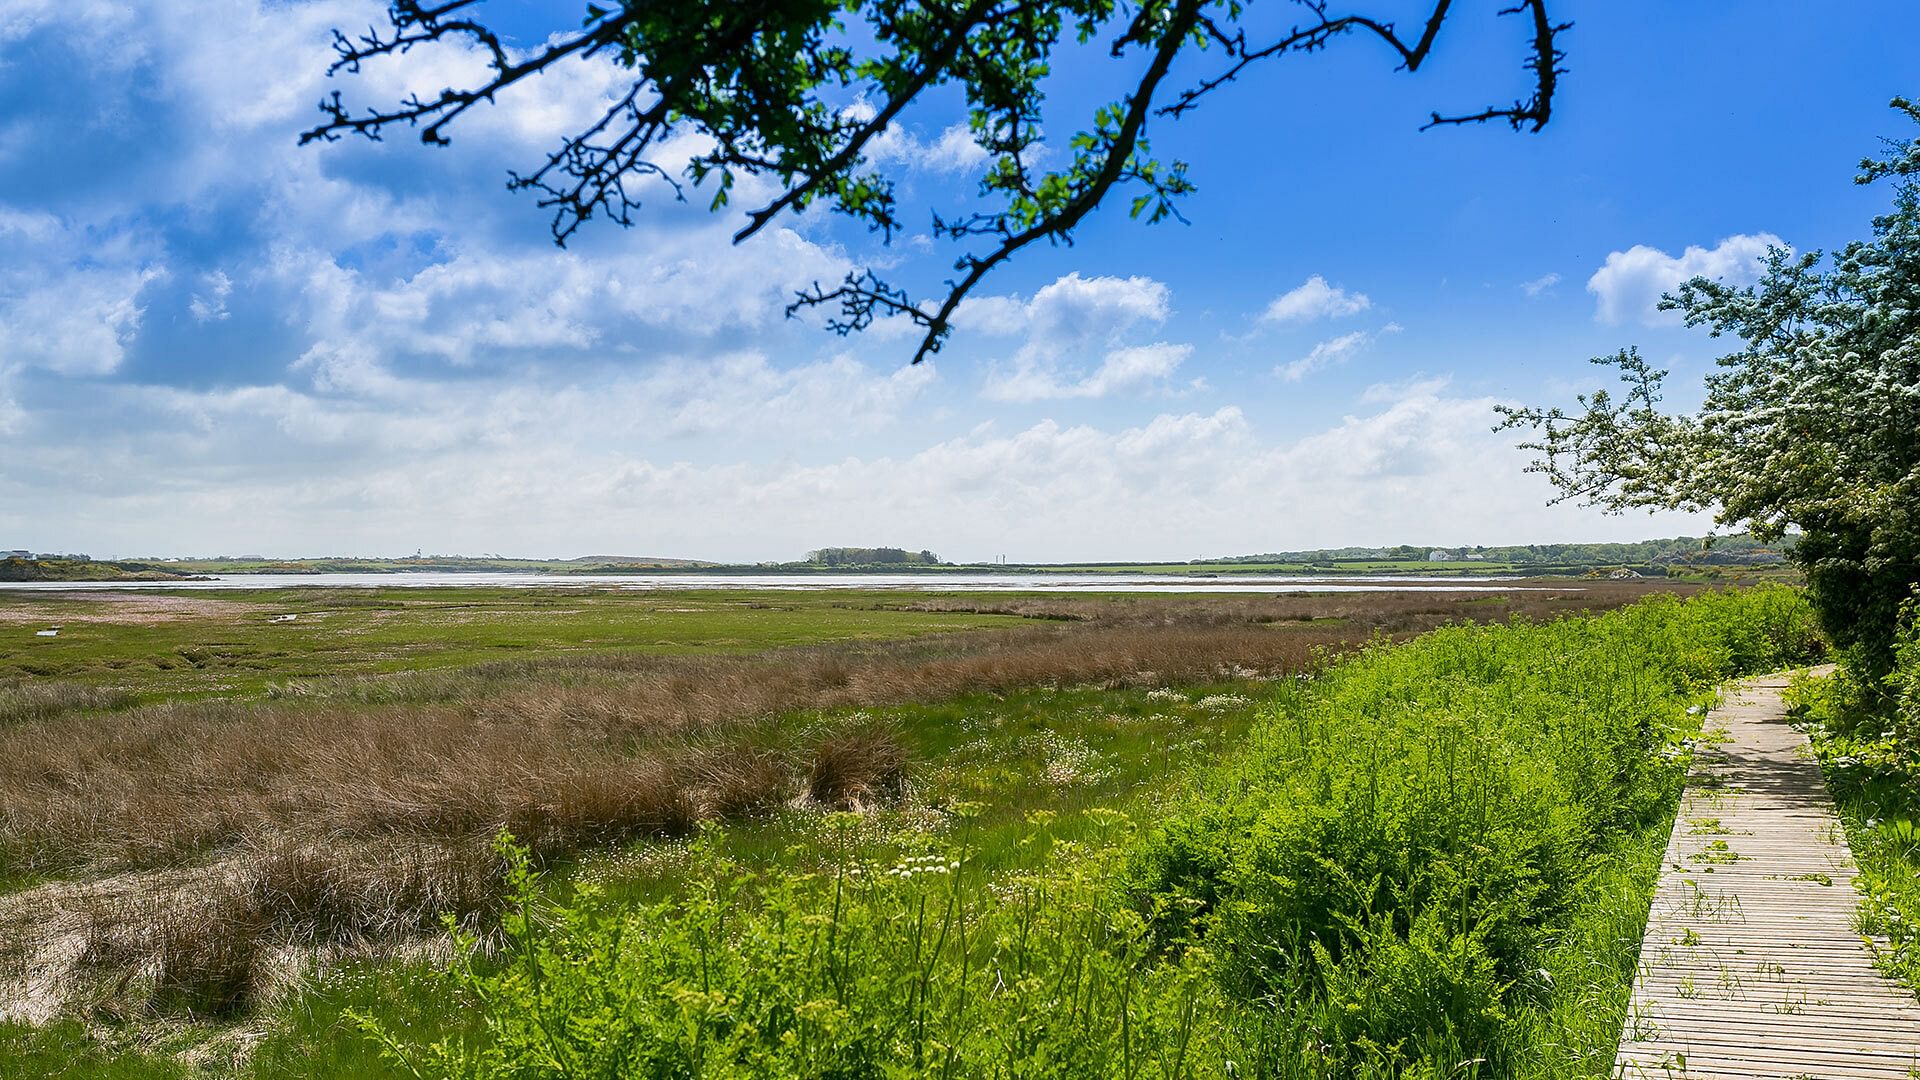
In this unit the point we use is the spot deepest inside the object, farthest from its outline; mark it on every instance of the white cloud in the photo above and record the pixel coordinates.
(1082, 317)
(1071, 310)
(1629, 284)
(1543, 283)
(444, 378)
(953, 151)
(1416, 386)
(70, 299)
(1133, 368)
(212, 306)
(1315, 299)
(1332, 353)
(560, 473)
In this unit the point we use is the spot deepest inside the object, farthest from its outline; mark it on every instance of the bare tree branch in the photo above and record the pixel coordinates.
(754, 78)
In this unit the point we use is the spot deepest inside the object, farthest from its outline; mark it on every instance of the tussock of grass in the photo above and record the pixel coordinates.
(858, 764)
(21, 702)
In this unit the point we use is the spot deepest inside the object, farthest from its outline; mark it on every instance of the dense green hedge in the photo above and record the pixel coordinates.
(1431, 860)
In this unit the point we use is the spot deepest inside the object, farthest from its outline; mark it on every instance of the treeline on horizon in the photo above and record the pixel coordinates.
(1738, 548)
(1657, 555)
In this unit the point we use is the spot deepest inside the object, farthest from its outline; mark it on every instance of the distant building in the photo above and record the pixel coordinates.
(17, 553)
(1623, 574)
(1439, 555)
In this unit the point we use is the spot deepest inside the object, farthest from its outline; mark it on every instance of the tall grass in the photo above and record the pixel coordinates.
(1431, 861)
(1867, 738)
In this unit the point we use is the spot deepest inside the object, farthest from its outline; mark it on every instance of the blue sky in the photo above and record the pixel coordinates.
(213, 340)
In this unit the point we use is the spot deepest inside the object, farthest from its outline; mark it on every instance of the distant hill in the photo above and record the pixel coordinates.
(1739, 549)
(1684, 556)
(33, 568)
(1681, 556)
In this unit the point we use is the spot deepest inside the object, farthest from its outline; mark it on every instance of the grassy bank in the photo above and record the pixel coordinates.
(1868, 742)
(1432, 860)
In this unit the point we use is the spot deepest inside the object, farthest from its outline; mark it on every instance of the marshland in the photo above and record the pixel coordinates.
(751, 832)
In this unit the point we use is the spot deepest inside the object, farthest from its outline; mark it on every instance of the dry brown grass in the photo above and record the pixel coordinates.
(583, 749)
(356, 810)
(856, 765)
(20, 701)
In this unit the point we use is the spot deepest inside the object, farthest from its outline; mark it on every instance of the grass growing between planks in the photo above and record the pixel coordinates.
(1434, 860)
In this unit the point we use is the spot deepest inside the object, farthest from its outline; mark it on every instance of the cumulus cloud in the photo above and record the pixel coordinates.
(1315, 299)
(953, 150)
(1071, 310)
(1073, 318)
(70, 300)
(1332, 352)
(1132, 368)
(561, 474)
(1630, 283)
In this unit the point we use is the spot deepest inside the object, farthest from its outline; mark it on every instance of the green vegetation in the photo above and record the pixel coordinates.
(1124, 834)
(1433, 854)
(884, 557)
(244, 641)
(64, 568)
(1676, 556)
(209, 844)
(1868, 741)
(1812, 424)
(68, 1049)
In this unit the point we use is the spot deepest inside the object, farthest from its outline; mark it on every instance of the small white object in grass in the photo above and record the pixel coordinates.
(47, 633)
(283, 618)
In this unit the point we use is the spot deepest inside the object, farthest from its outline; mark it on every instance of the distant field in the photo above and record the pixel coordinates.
(217, 642)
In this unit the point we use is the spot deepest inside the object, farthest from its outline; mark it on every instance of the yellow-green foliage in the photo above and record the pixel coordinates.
(1428, 862)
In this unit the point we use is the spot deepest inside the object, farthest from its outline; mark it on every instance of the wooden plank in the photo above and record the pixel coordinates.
(1750, 965)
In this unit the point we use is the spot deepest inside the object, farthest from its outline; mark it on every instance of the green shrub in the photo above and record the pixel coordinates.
(909, 968)
(1428, 811)
(1867, 736)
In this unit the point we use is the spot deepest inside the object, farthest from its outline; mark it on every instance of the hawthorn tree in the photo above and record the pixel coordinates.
(797, 92)
(1812, 424)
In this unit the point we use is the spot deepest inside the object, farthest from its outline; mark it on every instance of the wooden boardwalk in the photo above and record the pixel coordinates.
(1751, 966)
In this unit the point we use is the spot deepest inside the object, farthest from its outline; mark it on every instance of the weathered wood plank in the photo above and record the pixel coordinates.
(1751, 967)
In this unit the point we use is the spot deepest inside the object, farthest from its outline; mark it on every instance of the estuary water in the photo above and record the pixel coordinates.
(959, 582)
